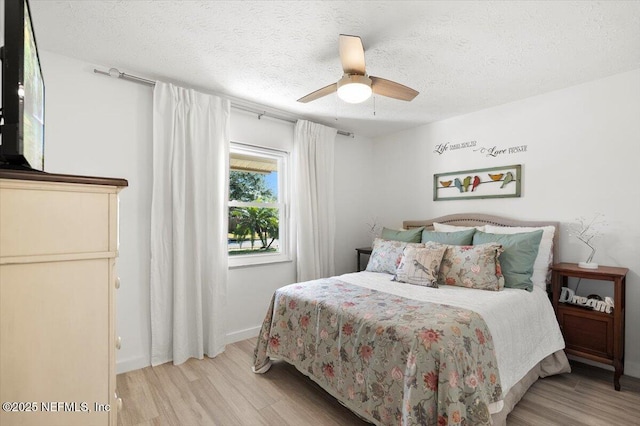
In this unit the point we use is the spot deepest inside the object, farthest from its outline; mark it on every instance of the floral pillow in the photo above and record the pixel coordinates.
(386, 255)
(472, 266)
(420, 266)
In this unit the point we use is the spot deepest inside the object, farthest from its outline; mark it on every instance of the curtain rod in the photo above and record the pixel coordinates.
(114, 72)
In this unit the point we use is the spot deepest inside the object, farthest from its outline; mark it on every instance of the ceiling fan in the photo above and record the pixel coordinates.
(356, 85)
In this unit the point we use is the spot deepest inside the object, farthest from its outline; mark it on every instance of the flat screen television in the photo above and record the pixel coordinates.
(22, 143)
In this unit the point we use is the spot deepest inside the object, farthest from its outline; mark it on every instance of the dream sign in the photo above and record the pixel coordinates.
(569, 296)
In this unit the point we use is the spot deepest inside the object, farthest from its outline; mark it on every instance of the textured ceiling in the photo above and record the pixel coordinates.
(460, 56)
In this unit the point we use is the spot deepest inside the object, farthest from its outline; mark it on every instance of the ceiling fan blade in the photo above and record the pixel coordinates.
(391, 89)
(352, 54)
(327, 90)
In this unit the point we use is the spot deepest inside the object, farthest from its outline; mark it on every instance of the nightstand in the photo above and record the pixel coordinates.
(591, 334)
(361, 251)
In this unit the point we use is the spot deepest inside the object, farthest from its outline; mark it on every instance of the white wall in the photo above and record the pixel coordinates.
(583, 155)
(354, 199)
(99, 126)
(102, 126)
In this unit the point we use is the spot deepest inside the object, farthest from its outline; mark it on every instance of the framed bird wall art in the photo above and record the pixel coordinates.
(494, 182)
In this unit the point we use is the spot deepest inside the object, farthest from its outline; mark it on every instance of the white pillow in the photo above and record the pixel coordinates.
(441, 227)
(545, 250)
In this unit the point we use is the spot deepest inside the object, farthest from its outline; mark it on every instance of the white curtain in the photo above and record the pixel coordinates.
(188, 224)
(313, 153)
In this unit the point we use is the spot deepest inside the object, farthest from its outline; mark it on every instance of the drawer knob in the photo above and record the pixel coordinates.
(118, 342)
(117, 282)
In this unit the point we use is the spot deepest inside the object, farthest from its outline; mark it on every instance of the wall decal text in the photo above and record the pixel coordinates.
(494, 151)
(444, 147)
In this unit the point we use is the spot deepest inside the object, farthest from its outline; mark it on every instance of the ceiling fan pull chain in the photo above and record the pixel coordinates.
(374, 106)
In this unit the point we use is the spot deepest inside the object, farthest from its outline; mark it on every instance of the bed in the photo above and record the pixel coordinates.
(398, 353)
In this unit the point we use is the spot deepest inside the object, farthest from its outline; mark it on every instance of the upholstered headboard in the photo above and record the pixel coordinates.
(478, 219)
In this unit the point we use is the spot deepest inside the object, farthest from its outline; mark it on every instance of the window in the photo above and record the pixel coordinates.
(258, 205)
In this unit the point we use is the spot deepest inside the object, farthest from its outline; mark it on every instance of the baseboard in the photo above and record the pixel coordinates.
(631, 369)
(247, 333)
(141, 362)
(131, 364)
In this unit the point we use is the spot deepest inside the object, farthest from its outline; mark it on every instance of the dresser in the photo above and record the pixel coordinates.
(58, 282)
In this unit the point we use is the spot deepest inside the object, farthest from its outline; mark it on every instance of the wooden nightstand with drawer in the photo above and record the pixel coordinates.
(591, 334)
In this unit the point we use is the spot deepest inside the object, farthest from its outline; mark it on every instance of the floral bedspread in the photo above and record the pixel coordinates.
(391, 360)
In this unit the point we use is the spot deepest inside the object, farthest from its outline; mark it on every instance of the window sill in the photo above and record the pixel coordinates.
(257, 260)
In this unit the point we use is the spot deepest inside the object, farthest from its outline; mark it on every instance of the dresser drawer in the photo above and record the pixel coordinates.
(43, 222)
(56, 339)
(587, 331)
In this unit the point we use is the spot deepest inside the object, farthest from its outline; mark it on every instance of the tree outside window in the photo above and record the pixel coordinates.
(256, 205)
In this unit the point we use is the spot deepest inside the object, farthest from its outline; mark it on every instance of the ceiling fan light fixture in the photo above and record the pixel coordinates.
(354, 88)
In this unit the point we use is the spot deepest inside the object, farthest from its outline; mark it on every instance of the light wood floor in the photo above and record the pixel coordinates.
(224, 391)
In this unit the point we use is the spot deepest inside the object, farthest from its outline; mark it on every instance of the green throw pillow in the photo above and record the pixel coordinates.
(408, 236)
(520, 251)
(458, 238)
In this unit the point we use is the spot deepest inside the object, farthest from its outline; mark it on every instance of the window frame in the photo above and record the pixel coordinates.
(283, 205)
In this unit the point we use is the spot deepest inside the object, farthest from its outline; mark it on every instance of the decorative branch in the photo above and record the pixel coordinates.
(586, 230)
(373, 228)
